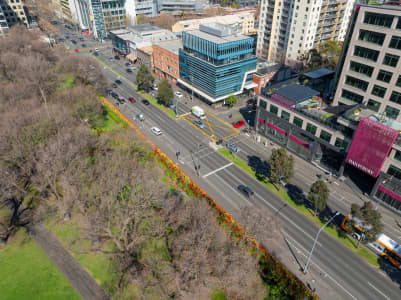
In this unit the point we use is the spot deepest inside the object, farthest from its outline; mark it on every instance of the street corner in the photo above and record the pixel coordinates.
(212, 126)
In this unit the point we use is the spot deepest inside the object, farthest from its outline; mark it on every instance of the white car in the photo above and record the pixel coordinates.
(178, 94)
(156, 131)
(97, 49)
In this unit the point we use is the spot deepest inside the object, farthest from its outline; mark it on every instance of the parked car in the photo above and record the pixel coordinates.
(156, 130)
(179, 94)
(114, 85)
(246, 190)
(132, 100)
(233, 147)
(129, 71)
(95, 53)
(74, 42)
(117, 57)
(83, 45)
(81, 39)
(118, 81)
(146, 102)
(154, 87)
(97, 49)
(239, 124)
(199, 124)
(172, 106)
(109, 91)
(127, 64)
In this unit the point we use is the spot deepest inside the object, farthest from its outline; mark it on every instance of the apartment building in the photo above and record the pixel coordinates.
(289, 28)
(215, 62)
(15, 12)
(243, 22)
(175, 6)
(3, 21)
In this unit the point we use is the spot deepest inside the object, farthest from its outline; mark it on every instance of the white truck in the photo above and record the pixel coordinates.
(198, 112)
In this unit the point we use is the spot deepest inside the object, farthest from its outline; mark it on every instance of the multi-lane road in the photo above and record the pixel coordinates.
(345, 272)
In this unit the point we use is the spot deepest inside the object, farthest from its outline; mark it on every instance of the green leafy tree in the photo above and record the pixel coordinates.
(368, 219)
(165, 92)
(281, 166)
(326, 55)
(318, 195)
(144, 78)
(231, 100)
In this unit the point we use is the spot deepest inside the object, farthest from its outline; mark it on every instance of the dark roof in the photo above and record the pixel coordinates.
(296, 93)
(319, 73)
(339, 109)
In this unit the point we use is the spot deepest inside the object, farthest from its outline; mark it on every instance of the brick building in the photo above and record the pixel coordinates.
(166, 60)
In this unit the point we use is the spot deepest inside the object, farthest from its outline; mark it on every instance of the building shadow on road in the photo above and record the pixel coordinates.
(391, 271)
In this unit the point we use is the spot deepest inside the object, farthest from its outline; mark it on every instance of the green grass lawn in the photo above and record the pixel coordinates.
(27, 273)
(110, 120)
(334, 231)
(69, 82)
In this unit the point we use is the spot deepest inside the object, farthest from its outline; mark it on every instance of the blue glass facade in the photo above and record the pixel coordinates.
(216, 68)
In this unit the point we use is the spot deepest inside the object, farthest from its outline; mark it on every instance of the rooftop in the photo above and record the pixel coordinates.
(144, 27)
(228, 19)
(216, 39)
(296, 93)
(172, 46)
(319, 73)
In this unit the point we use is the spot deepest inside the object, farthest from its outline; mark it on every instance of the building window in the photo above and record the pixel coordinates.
(340, 143)
(394, 171)
(298, 122)
(371, 37)
(373, 105)
(395, 42)
(263, 104)
(324, 135)
(378, 91)
(378, 19)
(398, 23)
(273, 109)
(390, 60)
(395, 97)
(351, 96)
(311, 128)
(392, 112)
(285, 115)
(356, 83)
(397, 155)
(384, 76)
(366, 53)
(361, 68)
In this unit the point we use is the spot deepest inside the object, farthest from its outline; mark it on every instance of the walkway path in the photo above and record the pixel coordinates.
(79, 278)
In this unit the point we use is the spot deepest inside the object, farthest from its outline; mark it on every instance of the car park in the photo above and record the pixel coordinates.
(246, 190)
(239, 124)
(199, 124)
(132, 100)
(156, 130)
(233, 147)
(146, 102)
(179, 94)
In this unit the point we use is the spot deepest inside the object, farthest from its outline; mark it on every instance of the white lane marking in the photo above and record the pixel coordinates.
(335, 182)
(219, 169)
(287, 219)
(324, 272)
(379, 291)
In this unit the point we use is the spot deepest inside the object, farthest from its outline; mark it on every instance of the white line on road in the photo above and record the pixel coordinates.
(385, 297)
(219, 169)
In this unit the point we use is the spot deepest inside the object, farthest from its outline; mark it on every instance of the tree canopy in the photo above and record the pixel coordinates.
(318, 195)
(281, 166)
(144, 79)
(165, 92)
(326, 55)
(231, 100)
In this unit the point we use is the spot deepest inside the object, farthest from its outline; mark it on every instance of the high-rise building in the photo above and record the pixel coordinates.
(3, 21)
(216, 63)
(15, 12)
(289, 28)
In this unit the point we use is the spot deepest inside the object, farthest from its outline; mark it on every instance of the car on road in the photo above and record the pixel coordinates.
(114, 86)
(172, 106)
(97, 49)
(179, 94)
(132, 100)
(146, 102)
(154, 87)
(246, 190)
(239, 124)
(81, 39)
(109, 91)
(129, 71)
(118, 81)
(156, 130)
(95, 53)
(62, 40)
(233, 147)
(140, 117)
(121, 100)
(117, 57)
(199, 124)
(111, 58)
(83, 45)
(74, 42)
(114, 95)
(127, 64)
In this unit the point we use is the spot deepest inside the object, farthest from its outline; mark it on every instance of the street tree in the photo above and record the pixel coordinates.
(281, 166)
(231, 101)
(144, 79)
(318, 195)
(368, 219)
(165, 92)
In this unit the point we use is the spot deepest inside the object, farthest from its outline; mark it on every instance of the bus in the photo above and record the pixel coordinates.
(383, 246)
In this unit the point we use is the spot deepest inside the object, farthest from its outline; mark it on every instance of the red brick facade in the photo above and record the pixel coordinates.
(166, 64)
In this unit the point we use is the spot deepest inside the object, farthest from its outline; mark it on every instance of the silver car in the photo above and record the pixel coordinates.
(233, 147)
(199, 124)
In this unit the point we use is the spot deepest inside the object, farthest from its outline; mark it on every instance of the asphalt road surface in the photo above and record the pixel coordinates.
(348, 273)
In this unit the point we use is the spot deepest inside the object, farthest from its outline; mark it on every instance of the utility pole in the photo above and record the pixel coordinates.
(305, 270)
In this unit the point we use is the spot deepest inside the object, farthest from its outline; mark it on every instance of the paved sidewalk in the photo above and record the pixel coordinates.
(79, 278)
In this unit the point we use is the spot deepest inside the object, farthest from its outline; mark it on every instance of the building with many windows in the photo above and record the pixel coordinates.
(15, 12)
(216, 63)
(166, 60)
(178, 6)
(289, 28)
(3, 21)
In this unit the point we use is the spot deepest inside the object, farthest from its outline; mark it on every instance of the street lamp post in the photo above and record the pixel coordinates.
(315, 241)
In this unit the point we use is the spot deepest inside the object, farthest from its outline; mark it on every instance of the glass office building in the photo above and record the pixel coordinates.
(215, 62)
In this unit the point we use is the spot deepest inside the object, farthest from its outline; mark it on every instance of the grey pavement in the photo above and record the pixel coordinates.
(335, 271)
(79, 278)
